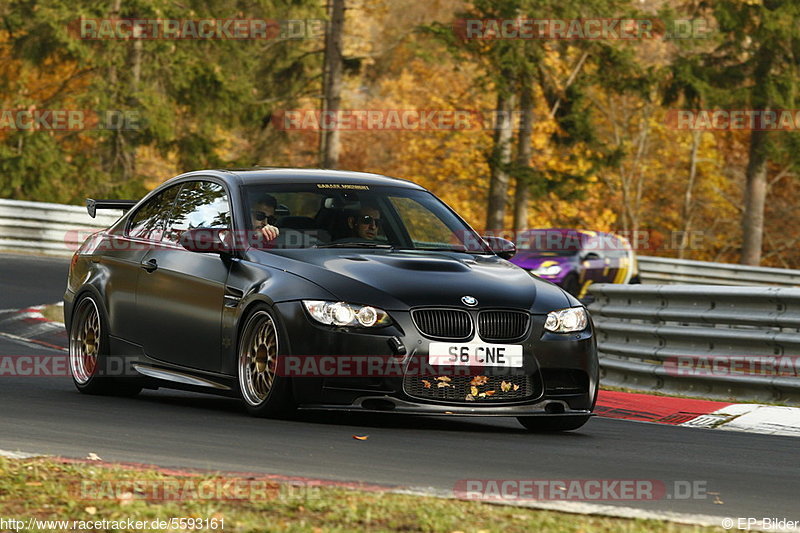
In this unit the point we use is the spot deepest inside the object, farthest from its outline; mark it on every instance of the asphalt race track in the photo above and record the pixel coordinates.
(750, 475)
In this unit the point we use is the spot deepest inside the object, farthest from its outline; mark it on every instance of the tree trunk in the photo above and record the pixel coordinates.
(688, 204)
(523, 159)
(501, 157)
(755, 195)
(120, 159)
(330, 143)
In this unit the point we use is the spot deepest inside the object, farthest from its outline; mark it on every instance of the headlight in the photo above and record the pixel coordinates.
(567, 320)
(345, 314)
(552, 270)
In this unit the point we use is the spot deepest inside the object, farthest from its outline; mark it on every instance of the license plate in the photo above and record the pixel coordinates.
(502, 355)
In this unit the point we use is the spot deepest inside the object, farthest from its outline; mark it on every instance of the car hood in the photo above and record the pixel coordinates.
(534, 260)
(396, 280)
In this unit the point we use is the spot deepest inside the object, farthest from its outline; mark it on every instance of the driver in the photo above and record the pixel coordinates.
(262, 216)
(367, 224)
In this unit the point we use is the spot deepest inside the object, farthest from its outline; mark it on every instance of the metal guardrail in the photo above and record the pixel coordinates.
(667, 270)
(53, 229)
(712, 341)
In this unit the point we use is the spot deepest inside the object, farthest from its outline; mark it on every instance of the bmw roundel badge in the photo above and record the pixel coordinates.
(469, 300)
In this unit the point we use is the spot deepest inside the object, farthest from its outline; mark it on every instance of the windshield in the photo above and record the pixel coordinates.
(328, 215)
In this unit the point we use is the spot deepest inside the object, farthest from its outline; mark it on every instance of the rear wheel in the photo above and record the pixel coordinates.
(264, 392)
(88, 352)
(544, 424)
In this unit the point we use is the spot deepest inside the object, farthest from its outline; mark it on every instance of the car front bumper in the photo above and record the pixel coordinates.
(560, 369)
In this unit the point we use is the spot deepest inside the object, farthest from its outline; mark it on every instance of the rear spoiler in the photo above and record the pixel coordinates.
(93, 205)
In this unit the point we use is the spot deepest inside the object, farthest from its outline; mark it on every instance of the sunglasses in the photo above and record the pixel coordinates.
(261, 215)
(368, 220)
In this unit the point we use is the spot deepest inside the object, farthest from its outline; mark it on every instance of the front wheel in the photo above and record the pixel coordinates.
(542, 424)
(89, 353)
(264, 392)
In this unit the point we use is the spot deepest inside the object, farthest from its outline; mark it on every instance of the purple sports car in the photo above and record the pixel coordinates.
(574, 259)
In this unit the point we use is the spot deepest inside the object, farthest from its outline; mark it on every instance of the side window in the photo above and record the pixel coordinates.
(200, 204)
(150, 220)
(592, 249)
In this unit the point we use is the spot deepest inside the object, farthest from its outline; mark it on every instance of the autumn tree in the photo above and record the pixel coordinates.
(753, 65)
(190, 98)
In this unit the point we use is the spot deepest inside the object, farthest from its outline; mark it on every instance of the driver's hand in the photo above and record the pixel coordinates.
(270, 232)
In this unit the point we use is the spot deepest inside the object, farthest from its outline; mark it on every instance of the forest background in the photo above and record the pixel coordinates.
(570, 132)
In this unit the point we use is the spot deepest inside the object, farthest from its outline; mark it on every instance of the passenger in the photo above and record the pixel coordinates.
(367, 224)
(262, 215)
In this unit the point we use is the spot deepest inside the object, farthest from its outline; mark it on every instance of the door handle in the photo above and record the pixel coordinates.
(150, 265)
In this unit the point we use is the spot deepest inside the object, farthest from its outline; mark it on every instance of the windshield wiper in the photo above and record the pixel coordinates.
(352, 245)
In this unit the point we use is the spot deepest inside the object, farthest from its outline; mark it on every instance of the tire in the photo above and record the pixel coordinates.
(571, 285)
(543, 424)
(89, 351)
(264, 393)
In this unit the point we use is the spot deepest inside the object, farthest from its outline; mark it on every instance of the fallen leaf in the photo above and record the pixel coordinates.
(91, 510)
(470, 398)
(426, 383)
(505, 386)
(443, 378)
(516, 387)
(33, 484)
(360, 437)
(473, 390)
(490, 393)
(93, 457)
(443, 384)
(478, 381)
(126, 498)
(482, 395)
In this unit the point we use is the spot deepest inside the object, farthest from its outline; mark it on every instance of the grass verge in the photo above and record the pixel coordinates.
(49, 489)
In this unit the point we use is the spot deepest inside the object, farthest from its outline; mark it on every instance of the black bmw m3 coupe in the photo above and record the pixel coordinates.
(315, 289)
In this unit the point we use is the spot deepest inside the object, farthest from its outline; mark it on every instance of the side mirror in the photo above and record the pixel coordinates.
(206, 240)
(502, 247)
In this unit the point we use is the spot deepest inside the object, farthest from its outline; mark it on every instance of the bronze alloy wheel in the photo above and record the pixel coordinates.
(258, 357)
(84, 341)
